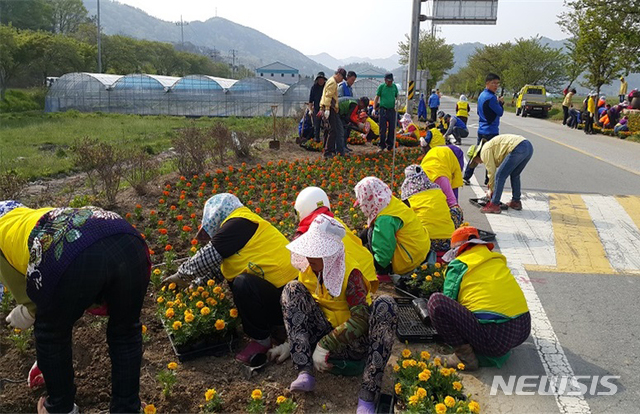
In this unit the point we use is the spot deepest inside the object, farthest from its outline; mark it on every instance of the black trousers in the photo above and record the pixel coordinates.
(434, 114)
(114, 270)
(317, 123)
(258, 303)
(565, 114)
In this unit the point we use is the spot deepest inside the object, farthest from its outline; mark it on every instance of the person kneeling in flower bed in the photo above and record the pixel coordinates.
(58, 262)
(250, 254)
(329, 313)
(443, 166)
(429, 203)
(482, 311)
(396, 237)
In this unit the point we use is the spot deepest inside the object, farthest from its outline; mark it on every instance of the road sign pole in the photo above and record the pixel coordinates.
(414, 43)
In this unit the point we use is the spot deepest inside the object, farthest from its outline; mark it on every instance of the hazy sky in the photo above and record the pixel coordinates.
(365, 28)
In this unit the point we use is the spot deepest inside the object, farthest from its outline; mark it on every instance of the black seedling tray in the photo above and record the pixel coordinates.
(386, 404)
(486, 235)
(204, 348)
(410, 327)
(481, 202)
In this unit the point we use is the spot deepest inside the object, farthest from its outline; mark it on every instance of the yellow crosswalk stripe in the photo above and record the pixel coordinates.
(577, 243)
(631, 204)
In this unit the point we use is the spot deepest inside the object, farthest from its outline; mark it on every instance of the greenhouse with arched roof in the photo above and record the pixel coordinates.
(86, 92)
(297, 97)
(141, 94)
(200, 95)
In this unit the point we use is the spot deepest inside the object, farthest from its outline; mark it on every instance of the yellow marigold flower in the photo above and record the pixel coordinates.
(461, 366)
(396, 368)
(409, 363)
(17, 330)
(424, 375)
(163, 288)
(441, 408)
(210, 394)
(457, 385)
(193, 249)
(179, 296)
(449, 401)
(205, 311)
(437, 361)
(172, 365)
(157, 271)
(256, 394)
(414, 400)
(421, 393)
(217, 290)
(169, 304)
(144, 329)
(205, 295)
(413, 276)
(221, 296)
(172, 286)
(189, 317)
(406, 353)
(438, 265)
(177, 325)
(177, 301)
(195, 294)
(424, 267)
(474, 407)
(150, 409)
(429, 278)
(425, 355)
(437, 274)
(446, 371)
(200, 289)
(219, 324)
(169, 313)
(422, 365)
(211, 302)
(210, 282)
(200, 304)
(160, 299)
(233, 313)
(398, 388)
(281, 399)
(187, 312)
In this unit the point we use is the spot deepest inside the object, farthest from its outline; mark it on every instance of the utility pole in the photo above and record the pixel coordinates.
(414, 43)
(182, 24)
(233, 53)
(99, 41)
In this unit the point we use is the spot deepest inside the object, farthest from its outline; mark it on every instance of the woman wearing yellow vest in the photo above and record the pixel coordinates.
(395, 235)
(250, 254)
(430, 205)
(329, 315)
(462, 109)
(58, 262)
(433, 139)
(443, 168)
(482, 312)
(313, 201)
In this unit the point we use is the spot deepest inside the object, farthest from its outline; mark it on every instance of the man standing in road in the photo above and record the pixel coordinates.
(434, 104)
(329, 108)
(566, 105)
(386, 96)
(346, 86)
(490, 109)
(314, 103)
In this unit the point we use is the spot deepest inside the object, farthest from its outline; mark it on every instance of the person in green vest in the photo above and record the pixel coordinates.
(482, 312)
(236, 250)
(348, 109)
(331, 320)
(398, 241)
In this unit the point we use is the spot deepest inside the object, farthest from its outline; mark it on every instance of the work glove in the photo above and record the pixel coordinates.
(175, 278)
(20, 318)
(35, 378)
(326, 114)
(279, 353)
(320, 114)
(320, 357)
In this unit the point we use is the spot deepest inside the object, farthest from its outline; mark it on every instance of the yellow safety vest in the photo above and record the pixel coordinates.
(265, 255)
(15, 228)
(442, 162)
(488, 285)
(433, 211)
(437, 139)
(463, 109)
(412, 240)
(335, 309)
(353, 247)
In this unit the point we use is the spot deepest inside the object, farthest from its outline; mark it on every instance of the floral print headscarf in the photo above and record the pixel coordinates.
(8, 205)
(415, 181)
(217, 209)
(372, 195)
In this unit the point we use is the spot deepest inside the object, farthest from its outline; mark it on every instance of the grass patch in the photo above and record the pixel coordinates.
(20, 100)
(39, 145)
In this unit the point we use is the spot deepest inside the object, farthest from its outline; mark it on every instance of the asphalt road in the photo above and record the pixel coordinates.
(575, 249)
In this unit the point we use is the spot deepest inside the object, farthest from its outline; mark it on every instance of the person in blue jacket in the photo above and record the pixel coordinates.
(434, 104)
(422, 109)
(490, 109)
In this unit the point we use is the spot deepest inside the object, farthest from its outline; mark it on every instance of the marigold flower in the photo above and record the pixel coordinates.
(144, 329)
(281, 399)
(210, 282)
(160, 299)
(446, 371)
(409, 363)
(173, 208)
(437, 361)
(221, 296)
(414, 400)
(474, 407)
(219, 324)
(193, 249)
(438, 265)
(233, 313)
(424, 375)
(449, 401)
(172, 366)
(461, 366)
(150, 409)
(162, 231)
(422, 365)
(429, 278)
(398, 388)
(414, 276)
(186, 229)
(176, 325)
(172, 286)
(424, 267)
(441, 408)
(457, 385)
(170, 313)
(170, 304)
(256, 394)
(210, 394)
(168, 248)
(157, 271)
(406, 353)
(425, 355)
(179, 217)
(217, 290)
(205, 311)
(194, 242)
(189, 317)
(437, 274)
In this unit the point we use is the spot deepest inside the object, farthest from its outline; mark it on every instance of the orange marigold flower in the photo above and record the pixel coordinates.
(179, 217)
(194, 241)
(186, 228)
(168, 248)
(162, 231)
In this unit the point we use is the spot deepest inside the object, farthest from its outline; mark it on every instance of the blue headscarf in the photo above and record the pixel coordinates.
(8, 205)
(217, 209)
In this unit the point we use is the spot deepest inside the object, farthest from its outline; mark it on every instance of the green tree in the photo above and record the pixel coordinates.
(26, 14)
(68, 15)
(531, 62)
(433, 54)
(56, 54)
(10, 59)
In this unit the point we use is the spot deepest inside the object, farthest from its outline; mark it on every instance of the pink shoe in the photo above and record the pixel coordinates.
(250, 350)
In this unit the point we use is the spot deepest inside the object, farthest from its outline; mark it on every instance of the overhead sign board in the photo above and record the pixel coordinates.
(465, 11)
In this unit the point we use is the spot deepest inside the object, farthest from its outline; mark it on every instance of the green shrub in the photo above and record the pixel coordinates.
(23, 100)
